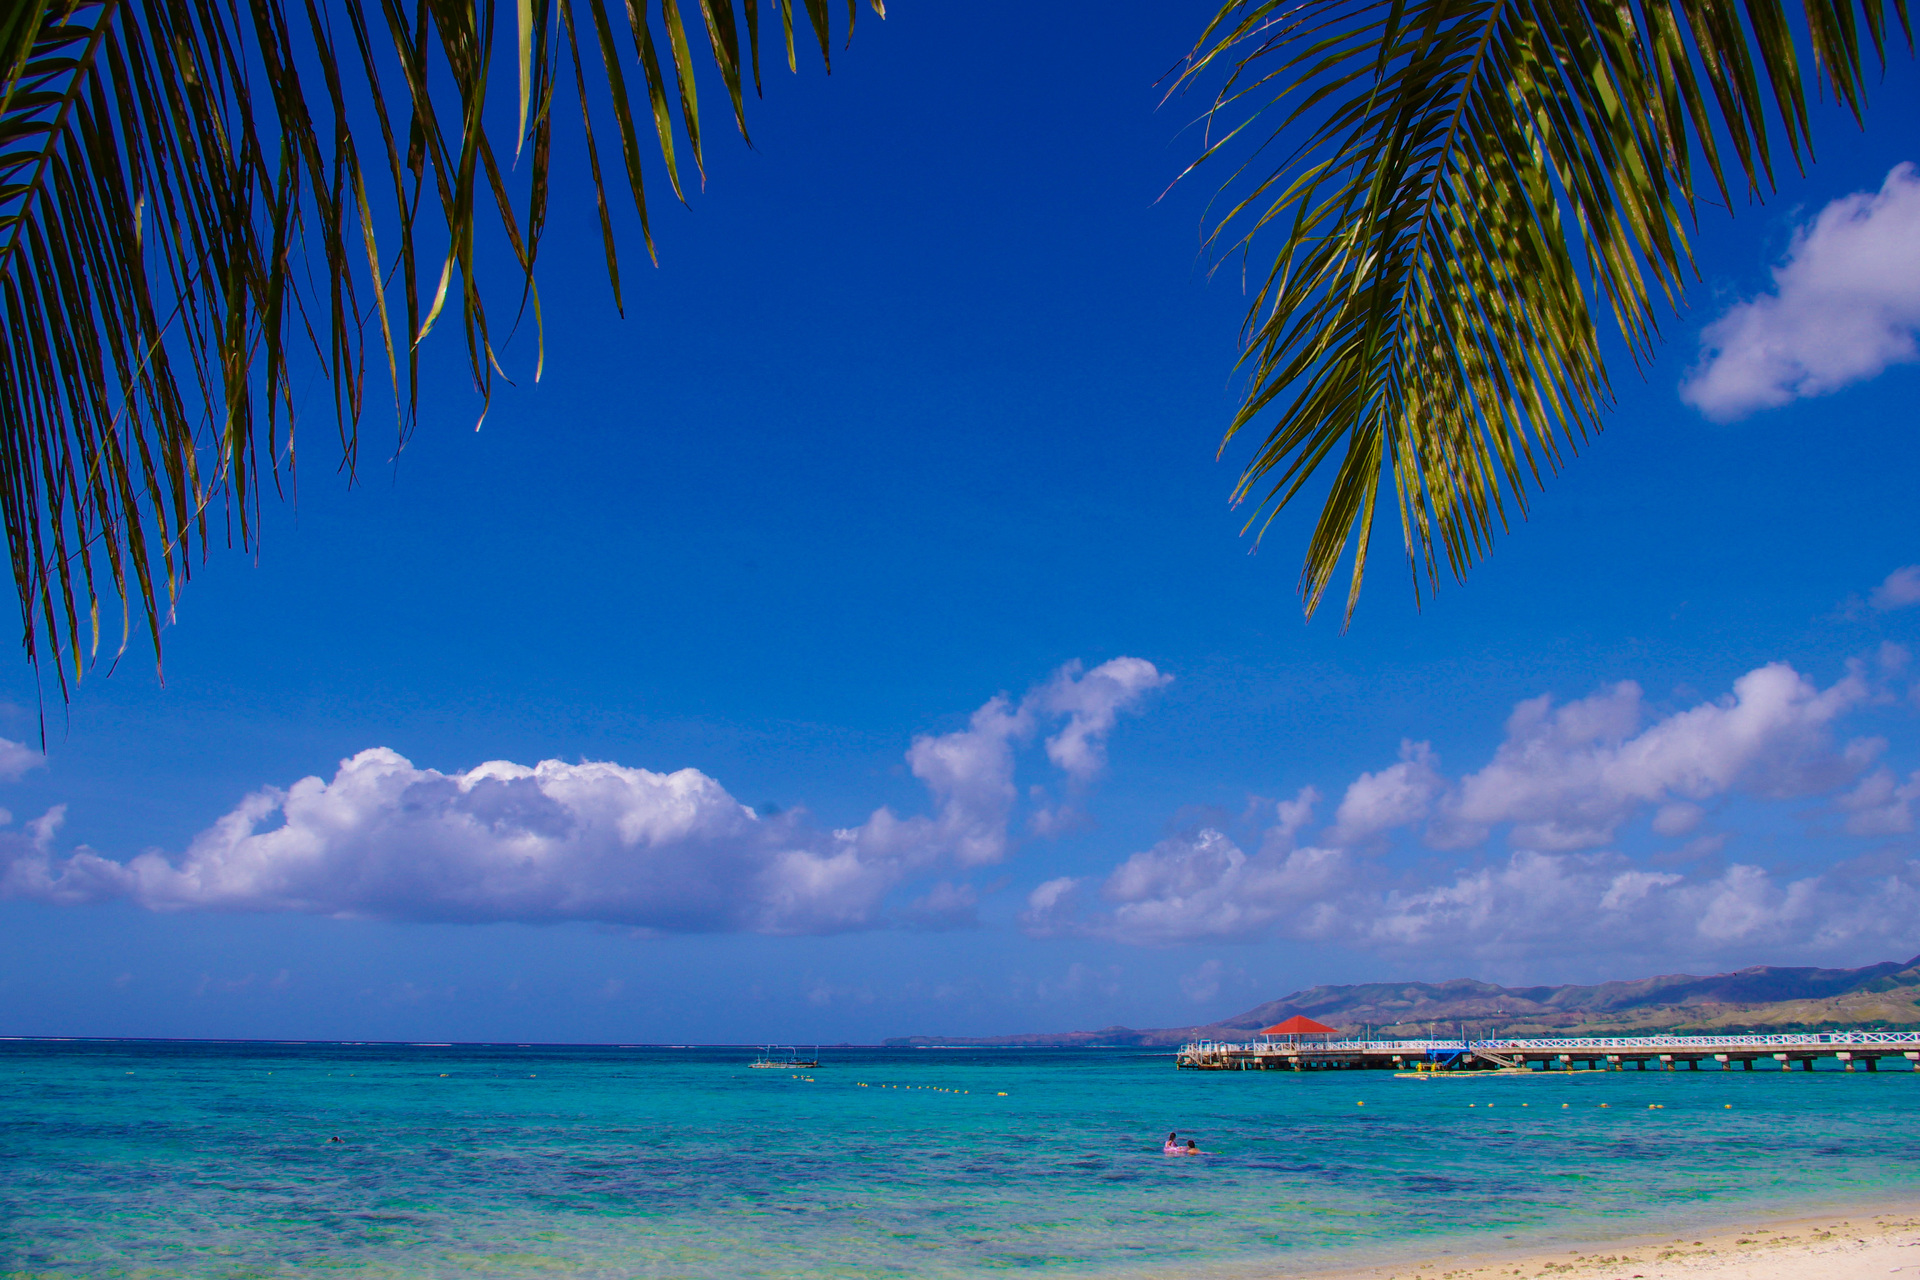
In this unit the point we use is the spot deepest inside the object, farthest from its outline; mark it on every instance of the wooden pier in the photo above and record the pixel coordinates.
(1853, 1050)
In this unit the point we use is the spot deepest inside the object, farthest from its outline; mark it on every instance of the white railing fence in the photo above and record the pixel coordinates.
(1566, 1044)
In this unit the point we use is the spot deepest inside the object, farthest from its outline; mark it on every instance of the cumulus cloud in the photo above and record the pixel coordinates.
(25, 858)
(1845, 305)
(1562, 783)
(387, 839)
(1882, 805)
(675, 852)
(1051, 898)
(1290, 818)
(1678, 818)
(970, 774)
(16, 758)
(671, 852)
(1198, 886)
(1567, 777)
(1902, 588)
(1092, 704)
(1205, 888)
(1605, 901)
(1394, 797)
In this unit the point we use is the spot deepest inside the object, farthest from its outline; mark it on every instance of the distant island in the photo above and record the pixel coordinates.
(1762, 998)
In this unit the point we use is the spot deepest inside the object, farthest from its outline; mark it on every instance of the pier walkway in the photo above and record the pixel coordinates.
(1854, 1050)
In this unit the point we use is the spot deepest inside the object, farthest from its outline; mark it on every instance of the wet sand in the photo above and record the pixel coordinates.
(1840, 1247)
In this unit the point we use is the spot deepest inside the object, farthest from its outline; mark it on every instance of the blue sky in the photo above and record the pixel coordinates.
(920, 409)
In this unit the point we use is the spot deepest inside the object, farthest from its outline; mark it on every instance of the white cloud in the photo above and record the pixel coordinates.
(971, 772)
(1051, 821)
(1678, 818)
(1568, 777)
(1092, 704)
(1845, 305)
(1400, 794)
(16, 758)
(1197, 886)
(1204, 888)
(971, 776)
(24, 864)
(1602, 902)
(1563, 782)
(1882, 805)
(1290, 818)
(1050, 898)
(386, 839)
(672, 852)
(1902, 588)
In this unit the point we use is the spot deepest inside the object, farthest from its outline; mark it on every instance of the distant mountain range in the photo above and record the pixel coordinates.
(1760, 998)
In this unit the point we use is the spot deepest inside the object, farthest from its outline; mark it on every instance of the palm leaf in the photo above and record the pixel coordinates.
(1455, 180)
(201, 198)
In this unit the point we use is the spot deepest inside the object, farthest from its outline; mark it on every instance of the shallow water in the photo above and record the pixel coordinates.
(165, 1160)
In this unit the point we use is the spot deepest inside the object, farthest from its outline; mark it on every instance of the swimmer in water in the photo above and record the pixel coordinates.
(1171, 1146)
(1192, 1150)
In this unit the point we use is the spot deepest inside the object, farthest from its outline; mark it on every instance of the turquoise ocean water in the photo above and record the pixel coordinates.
(161, 1160)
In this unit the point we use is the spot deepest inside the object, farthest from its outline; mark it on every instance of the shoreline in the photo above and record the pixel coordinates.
(1870, 1241)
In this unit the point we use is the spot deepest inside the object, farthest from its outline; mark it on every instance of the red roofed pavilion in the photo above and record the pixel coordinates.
(1299, 1026)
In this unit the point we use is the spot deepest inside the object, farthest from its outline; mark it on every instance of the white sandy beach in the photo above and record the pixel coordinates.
(1854, 1247)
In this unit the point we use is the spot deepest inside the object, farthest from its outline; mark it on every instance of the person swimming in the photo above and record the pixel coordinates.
(1192, 1150)
(1171, 1146)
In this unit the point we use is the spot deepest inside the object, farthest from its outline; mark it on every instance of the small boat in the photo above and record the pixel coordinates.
(784, 1057)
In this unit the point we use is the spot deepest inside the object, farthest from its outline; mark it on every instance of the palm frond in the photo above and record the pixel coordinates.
(199, 196)
(1449, 183)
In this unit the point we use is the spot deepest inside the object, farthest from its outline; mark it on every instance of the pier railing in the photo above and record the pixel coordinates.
(1849, 1046)
(1576, 1044)
(1333, 1046)
(1838, 1039)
